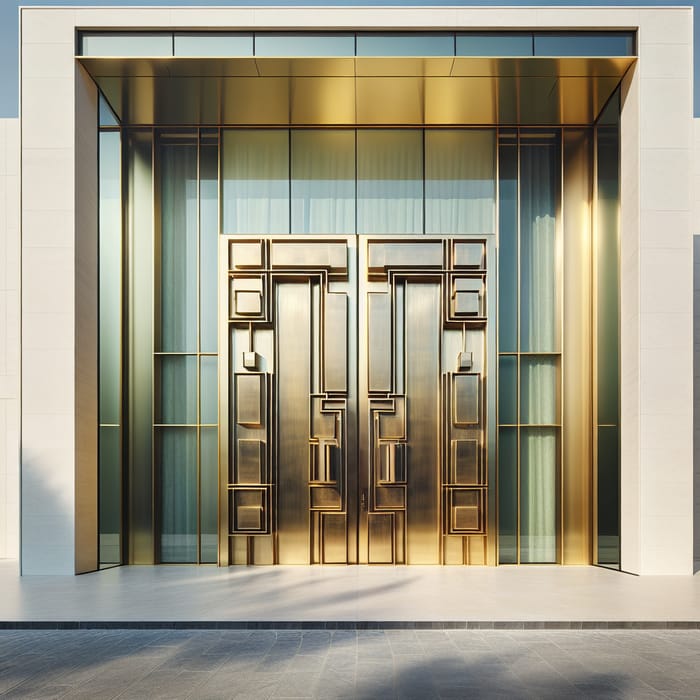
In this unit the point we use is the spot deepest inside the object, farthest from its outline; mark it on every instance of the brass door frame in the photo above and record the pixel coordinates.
(256, 259)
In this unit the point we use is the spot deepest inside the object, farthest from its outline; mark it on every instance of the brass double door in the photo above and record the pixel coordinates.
(355, 400)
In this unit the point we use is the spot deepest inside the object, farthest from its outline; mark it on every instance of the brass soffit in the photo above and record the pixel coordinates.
(411, 91)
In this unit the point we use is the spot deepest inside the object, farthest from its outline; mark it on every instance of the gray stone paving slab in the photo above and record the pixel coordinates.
(209, 664)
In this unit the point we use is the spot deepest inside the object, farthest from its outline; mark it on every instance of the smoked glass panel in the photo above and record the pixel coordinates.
(208, 390)
(291, 44)
(410, 44)
(178, 389)
(507, 495)
(507, 389)
(538, 390)
(538, 495)
(208, 243)
(177, 454)
(209, 494)
(110, 492)
(494, 44)
(213, 44)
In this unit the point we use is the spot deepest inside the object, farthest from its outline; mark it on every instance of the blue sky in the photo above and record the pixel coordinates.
(9, 23)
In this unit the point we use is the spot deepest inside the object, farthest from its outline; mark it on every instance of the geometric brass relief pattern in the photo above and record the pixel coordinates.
(318, 474)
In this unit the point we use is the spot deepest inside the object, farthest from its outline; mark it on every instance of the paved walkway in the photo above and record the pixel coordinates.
(350, 594)
(173, 664)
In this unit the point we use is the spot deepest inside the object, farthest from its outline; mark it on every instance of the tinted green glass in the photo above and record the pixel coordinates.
(507, 389)
(106, 115)
(208, 244)
(608, 495)
(110, 276)
(208, 390)
(110, 495)
(538, 495)
(538, 390)
(178, 389)
(178, 246)
(539, 172)
(209, 494)
(177, 462)
(508, 245)
(507, 495)
(494, 44)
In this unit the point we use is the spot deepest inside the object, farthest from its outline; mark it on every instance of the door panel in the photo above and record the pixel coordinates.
(310, 474)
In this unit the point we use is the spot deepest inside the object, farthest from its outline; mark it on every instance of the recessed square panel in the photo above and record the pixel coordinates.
(465, 399)
(247, 298)
(249, 462)
(465, 462)
(466, 304)
(469, 255)
(466, 511)
(246, 255)
(248, 303)
(248, 510)
(249, 395)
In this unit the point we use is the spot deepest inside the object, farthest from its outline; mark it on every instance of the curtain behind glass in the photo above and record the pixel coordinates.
(538, 169)
(256, 181)
(460, 181)
(178, 269)
(389, 181)
(323, 181)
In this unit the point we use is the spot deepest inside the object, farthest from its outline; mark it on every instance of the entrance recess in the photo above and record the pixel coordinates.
(356, 400)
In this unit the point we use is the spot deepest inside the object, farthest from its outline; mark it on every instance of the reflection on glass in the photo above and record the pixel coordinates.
(208, 390)
(256, 181)
(584, 44)
(213, 44)
(177, 454)
(538, 499)
(178, 270)
(209, 494)
(178, 390)
(411, 44)
(110, 485)
(508, 243)
(538, 191)
(494, 44)
(126, 44)
(608, 495)
(106, 115)
(460, 181)
(304, 44)
(208, 243)
(538, 390)
(507, 495)
(323, 181)
(507, 389)
(110, 274)
(389, 181)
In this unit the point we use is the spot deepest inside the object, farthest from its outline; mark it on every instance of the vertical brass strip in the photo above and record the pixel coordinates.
(517, 346)
(577, 364)
(224, 389)
(293, 381)
(141, 244)
(423, 329)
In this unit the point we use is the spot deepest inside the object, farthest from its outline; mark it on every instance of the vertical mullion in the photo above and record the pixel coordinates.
(198, 348)
(517, 344)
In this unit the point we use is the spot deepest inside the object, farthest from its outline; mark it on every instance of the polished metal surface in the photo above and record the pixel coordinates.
(440, 91)
(355, 390)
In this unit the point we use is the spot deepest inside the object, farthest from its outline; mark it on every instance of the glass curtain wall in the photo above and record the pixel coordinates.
(365, 181)
(607, 404)
(185, 358)
(110, 339)
(529, 413)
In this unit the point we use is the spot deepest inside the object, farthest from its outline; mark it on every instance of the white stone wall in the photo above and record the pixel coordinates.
(696, 346)
(656, 255)
(9, 338)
